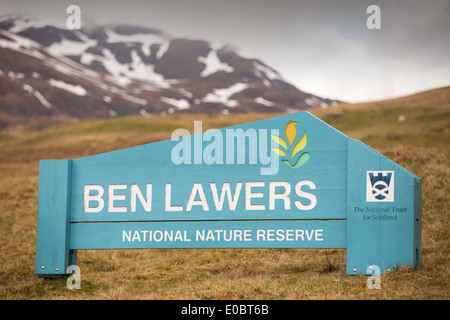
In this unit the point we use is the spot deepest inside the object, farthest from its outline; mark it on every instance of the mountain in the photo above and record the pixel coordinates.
(50, 75)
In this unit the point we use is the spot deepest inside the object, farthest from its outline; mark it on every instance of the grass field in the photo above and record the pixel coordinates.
(413, 131)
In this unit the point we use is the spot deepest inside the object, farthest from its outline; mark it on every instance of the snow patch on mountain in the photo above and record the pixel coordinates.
(37, 95)
(146, 39)
(137, 100)
(162, 49)
(16, 76)
(22, 24)
(68, 47)
(223, 95)
(19, 43)
(119, 70)
(263, 101)
(265, 73)
(213, 64)
(186, 93)
(181, 104)
(75, 89)
(315, 102)
(123, 74)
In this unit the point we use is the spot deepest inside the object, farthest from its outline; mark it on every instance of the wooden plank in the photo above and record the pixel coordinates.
(261, 197)
(417, 222)
(380, 232)
(209, 234)
(52, 238)
(153, 165)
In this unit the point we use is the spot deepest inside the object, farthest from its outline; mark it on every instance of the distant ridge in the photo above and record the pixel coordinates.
(438, 98)
(50, 75)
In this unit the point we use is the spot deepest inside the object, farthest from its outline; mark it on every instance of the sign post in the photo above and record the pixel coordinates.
(287, 182)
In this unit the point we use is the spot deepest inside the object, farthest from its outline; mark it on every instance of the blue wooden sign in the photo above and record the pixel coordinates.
(288, 182)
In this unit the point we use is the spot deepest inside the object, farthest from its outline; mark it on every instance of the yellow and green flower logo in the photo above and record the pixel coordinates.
(291, 133)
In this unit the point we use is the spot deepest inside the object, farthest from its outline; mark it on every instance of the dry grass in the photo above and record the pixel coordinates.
(420, 143)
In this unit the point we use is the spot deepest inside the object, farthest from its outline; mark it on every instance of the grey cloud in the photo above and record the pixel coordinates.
(320, 46)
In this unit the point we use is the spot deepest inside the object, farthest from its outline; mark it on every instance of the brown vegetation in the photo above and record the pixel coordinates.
(414, 132)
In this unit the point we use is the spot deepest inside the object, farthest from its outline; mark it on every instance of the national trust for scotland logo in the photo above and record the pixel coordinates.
(291, 133)
(380, 186)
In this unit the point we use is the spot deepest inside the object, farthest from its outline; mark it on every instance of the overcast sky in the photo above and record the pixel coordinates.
(322, 47)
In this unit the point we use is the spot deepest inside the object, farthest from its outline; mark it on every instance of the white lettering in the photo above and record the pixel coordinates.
(282, 196)
(223, 235)
(136, 236)
(197, 188)
(312, 198)
(98, 197)
(289, 235)
(277, 195)
(114, 197)
(169, 207)
(146, 203)
(249, 196)
(232, 202)
(126, 235)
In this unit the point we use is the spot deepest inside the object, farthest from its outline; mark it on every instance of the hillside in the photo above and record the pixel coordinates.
(414, 133)
(50, 75)
(385, 119)
(435, 98)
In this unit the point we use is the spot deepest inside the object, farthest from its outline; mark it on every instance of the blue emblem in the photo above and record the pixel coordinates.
(380, 186)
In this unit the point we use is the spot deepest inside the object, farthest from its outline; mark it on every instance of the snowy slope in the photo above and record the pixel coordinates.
(56, 75)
